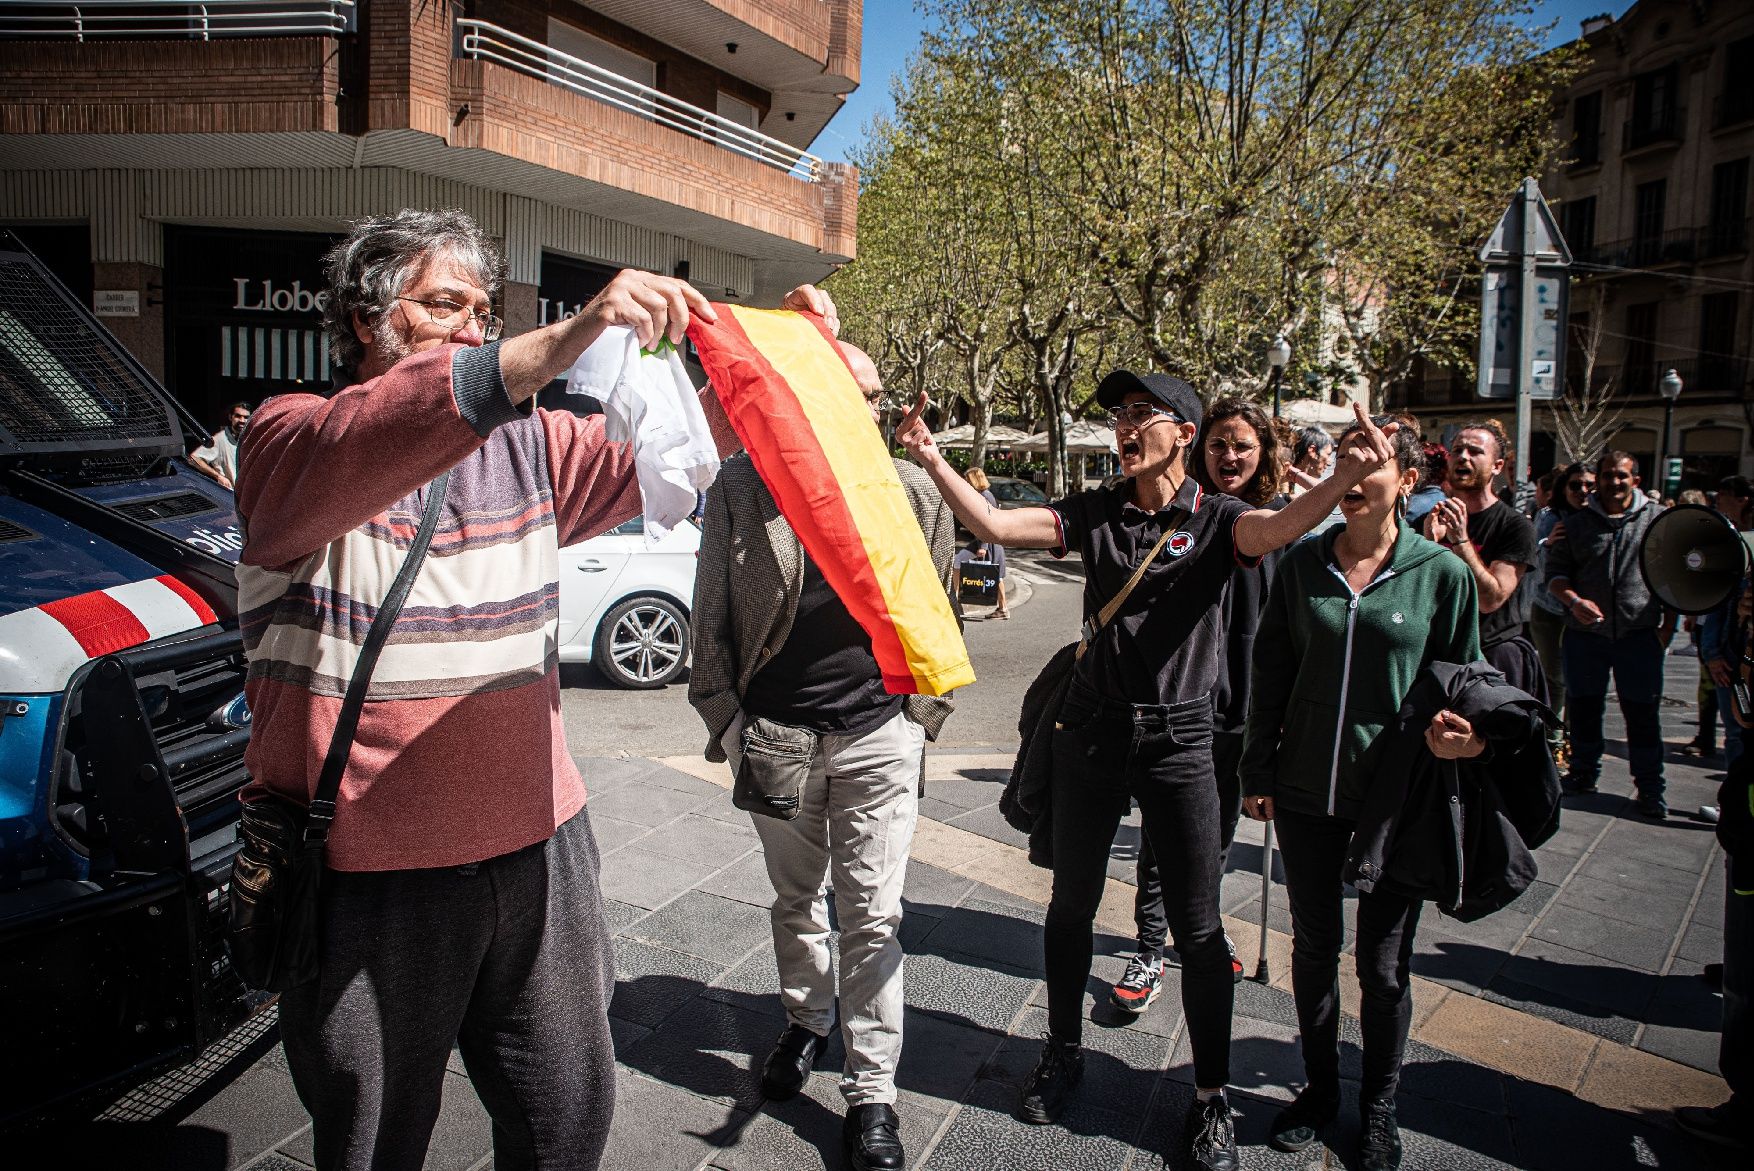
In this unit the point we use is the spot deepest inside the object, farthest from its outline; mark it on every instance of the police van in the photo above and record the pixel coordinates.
(122, 717)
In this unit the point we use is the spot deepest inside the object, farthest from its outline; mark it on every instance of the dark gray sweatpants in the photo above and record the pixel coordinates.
(509, 959)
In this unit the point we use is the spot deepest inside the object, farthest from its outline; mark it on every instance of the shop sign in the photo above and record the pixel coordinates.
(116, 302)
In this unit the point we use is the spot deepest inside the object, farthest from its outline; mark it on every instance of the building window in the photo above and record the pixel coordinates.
(1656, 114)
(1735, 99)
(1729, 208)
(1641, 341)
(576, 42)
(1647, 221)
(1586, 129)
(1719, 369)
(1577, 222)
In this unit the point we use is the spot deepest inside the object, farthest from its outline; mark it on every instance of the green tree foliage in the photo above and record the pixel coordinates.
(1069, 185)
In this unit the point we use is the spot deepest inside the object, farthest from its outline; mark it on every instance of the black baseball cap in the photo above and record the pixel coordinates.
(1167, 389)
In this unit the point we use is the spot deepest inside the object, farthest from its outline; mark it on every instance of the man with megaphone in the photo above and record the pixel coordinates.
(1614, 625)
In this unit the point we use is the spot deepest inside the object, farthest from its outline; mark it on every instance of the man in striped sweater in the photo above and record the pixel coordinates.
(461, 904)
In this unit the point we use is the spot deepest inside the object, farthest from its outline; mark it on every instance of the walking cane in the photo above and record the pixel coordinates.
(1261, 975)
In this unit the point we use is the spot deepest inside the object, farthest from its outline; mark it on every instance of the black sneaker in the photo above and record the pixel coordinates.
(1049, 1086)
(1300, 1124)
(1654, 808)
(1381, 1146)
(1723, 1126)
(1139, 985)
(1235, 964)
(1212, 1135)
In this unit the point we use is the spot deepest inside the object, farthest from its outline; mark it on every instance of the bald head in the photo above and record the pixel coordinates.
(864, 370)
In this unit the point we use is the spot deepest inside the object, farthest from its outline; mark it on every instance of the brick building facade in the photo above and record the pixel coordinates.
(186, 172)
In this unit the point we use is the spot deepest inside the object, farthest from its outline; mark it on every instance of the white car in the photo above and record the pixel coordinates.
(624, 605)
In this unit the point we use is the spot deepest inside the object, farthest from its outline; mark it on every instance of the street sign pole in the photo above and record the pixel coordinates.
(1525, 350)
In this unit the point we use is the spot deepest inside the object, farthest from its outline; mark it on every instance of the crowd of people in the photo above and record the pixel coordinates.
(1259, 607)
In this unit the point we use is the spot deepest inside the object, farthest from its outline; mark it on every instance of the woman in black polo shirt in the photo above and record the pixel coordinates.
(1137, 721)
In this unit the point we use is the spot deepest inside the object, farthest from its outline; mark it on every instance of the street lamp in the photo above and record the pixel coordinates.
(1278, 354)
(1670, 387)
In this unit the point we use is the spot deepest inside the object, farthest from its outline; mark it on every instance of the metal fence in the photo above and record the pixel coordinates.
(167, 20)
(481, 41)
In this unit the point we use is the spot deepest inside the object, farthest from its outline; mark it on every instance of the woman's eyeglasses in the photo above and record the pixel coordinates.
(1223, 447)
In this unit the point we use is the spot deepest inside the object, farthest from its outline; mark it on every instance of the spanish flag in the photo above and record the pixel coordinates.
(794, 404)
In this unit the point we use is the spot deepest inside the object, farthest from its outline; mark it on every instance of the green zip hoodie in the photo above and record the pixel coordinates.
(1331, 668)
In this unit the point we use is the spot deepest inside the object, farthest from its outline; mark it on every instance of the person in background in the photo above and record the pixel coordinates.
(1497, 544)
(977, 479)
(1704, 742)
(1354, 616)
(218, 457)
(1571, 491)
(1312, 457)
(1614, 626)
(1239, 456)
(1721, 636)
(1434, 463)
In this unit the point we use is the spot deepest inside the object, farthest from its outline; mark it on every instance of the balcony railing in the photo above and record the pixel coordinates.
(1681, 246)
(1704, 374)
(168, 20)
(481, 41)
(1664, 126)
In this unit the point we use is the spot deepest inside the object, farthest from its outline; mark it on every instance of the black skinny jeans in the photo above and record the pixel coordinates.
(1314, 850)
(1105, 754)
(1148, 913)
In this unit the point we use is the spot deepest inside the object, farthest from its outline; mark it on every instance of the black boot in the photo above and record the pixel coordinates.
(790, 1062)
(1381, 1147)
(1049, 1085)
(872, 1138)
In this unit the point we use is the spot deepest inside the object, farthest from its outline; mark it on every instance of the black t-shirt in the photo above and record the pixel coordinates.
(1166, 645)
(825, 677)
(1501, 533)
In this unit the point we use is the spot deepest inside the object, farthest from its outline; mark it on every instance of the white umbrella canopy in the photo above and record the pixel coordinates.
(1082, 436)
(1309, 411)
(999, 436)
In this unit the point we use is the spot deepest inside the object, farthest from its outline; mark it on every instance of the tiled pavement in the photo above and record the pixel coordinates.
(1536, 1043)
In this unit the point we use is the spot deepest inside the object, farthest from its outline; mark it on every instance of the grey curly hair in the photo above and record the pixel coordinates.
(368, 270)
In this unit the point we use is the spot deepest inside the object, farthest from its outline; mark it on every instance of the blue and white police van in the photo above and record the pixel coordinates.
(122, 718)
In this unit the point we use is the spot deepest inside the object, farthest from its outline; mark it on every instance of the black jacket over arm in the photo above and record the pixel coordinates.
(1459, 832)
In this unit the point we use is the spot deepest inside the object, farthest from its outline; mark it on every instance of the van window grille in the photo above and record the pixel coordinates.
(167, 507)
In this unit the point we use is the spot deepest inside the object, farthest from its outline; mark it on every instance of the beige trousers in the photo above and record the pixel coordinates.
(852, 834)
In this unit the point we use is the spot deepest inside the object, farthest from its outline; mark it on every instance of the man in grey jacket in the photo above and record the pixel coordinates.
(1613, 625)
(771, 640)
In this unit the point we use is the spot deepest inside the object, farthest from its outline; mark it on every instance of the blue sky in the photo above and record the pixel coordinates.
(892, 31)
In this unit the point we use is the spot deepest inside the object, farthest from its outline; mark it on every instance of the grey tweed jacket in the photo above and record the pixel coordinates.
(749, 581)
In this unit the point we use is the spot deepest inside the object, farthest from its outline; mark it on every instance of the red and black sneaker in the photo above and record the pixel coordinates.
(1140, 984)
(1235, 964)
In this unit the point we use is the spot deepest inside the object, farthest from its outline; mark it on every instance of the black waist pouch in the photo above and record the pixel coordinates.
(775, 764)
(273, 902)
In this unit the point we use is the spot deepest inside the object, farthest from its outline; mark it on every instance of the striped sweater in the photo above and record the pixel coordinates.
(460, 754)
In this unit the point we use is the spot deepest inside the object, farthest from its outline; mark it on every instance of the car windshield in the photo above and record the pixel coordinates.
(1018, 491)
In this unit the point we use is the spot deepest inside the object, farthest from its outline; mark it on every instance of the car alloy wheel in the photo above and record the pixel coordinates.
(643, 643)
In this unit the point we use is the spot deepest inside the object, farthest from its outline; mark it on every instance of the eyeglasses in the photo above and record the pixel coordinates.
(877, 400)
(1221, 447)
(1136, 415)
(454, 317)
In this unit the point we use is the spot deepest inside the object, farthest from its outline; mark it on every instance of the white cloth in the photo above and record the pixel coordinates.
(222, 452)
(649, 402)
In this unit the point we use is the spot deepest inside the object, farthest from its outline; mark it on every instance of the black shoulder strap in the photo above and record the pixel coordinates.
(322, 809)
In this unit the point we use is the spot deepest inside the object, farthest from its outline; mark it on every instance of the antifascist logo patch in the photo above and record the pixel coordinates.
(1180, 543)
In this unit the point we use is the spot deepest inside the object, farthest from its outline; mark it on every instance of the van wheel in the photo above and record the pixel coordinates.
(642, 643)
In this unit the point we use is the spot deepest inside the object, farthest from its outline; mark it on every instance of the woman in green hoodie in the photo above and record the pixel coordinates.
(1353, 617)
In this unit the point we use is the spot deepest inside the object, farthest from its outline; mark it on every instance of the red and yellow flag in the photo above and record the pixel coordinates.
(794, 404)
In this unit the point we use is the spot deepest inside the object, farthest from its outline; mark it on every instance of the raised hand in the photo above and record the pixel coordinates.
(654, 307)
(810, 299)
(1366, 449)
(913, 434)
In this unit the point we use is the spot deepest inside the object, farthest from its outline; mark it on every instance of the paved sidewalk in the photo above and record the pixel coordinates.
(1500, 1079)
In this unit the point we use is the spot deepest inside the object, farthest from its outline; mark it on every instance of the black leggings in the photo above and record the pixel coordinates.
(1106, 754)
(1314, 849)
(1148, 913)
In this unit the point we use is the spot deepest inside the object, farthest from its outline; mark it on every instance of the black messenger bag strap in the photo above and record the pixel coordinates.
(322, 808)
